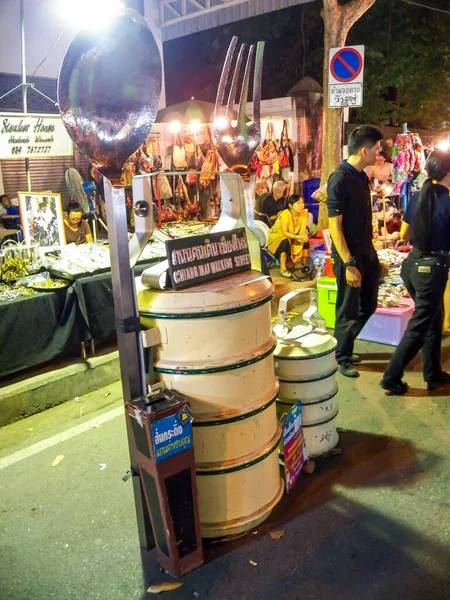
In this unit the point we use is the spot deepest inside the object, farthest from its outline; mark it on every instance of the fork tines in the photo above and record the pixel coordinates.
(224, 79)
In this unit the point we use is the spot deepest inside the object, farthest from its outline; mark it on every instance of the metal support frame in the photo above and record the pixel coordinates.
(131, 352)
(24, 85)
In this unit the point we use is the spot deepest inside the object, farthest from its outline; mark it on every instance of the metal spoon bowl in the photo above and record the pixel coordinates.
(108, 91)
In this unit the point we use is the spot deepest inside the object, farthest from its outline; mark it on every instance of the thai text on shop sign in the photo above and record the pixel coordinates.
(293, 444)
(33, 136)
(202, 258)
(172, 435)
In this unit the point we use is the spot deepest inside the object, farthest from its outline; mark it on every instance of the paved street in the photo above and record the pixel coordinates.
(370, 523)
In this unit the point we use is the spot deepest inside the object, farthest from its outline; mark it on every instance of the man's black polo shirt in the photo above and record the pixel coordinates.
(272, 207)
(348, 194)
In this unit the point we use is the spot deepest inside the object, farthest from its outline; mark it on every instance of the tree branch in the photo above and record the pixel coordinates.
(354, 10)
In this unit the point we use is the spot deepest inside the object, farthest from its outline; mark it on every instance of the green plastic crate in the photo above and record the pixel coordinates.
(327, 293)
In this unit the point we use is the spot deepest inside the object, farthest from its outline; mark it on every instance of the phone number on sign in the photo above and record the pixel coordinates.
(31, 149)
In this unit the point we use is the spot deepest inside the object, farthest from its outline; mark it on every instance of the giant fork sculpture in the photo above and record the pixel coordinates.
(236, 144)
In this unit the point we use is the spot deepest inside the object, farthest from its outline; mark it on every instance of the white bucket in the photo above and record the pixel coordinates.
(217, 349)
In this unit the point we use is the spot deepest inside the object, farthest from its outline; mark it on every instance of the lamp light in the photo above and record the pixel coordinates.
(194, 126)
(175, 126)
(93, 15)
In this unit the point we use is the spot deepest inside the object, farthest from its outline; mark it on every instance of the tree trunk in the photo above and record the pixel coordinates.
(338, 19)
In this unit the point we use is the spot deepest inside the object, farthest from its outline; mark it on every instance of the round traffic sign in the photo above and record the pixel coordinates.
(346, 65)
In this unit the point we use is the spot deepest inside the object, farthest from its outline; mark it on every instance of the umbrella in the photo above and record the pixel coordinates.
(188, 111)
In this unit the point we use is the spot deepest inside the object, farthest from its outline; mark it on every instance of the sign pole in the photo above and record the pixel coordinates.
(24, 84)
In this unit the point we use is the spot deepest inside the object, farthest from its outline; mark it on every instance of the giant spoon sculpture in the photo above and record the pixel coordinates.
(108, 92)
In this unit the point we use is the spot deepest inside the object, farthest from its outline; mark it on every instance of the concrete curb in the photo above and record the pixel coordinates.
(35, 394)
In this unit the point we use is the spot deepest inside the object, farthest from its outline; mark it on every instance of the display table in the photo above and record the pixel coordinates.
(36, 329)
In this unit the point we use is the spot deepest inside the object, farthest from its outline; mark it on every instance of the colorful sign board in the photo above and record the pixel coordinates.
(172, 435)
(293, 444)
(33, 136)
(200, 258)
(346, 77)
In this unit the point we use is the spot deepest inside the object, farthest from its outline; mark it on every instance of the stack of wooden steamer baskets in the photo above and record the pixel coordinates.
(306, 369)
(216, 348)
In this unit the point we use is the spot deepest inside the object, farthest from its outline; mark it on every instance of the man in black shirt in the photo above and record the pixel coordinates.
(356, 263)
(273, 204)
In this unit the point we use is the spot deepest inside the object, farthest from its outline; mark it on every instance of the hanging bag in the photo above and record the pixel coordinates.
(209, 168)
(268, 151)
(181, 194)
(179, 154)
(162, 185)
(283, 152)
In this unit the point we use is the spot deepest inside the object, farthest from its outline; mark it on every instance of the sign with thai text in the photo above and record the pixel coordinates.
(293, 444)
(33, 136)
(207, 257)
(346, 77)
(172, 435)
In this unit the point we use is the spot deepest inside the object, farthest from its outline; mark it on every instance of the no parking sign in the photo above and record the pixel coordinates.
(345, 77)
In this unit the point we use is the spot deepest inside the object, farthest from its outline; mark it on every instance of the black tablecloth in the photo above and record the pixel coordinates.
(35, 329)
(38, 328)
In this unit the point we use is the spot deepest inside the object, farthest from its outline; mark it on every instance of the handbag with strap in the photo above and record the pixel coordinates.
(181, 194)
(268, 151)
(179, 154)
(191, 177)
(161, 183)
(209, 168)
(283, 152)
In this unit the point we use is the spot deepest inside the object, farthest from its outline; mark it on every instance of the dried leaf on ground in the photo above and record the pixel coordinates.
(57, 460)
(252, 562)
(277, 535)
(168, 586)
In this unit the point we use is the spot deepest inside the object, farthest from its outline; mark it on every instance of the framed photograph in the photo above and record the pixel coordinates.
(42, 219)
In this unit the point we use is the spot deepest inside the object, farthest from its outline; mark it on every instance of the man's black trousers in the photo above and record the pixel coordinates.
(425, 278)
(354, 306)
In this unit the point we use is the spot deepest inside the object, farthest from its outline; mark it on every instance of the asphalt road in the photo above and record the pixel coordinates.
(370, 523)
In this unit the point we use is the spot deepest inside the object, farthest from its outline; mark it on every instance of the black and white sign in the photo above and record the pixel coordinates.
(345, 77)
(200, 258)
(33, 136)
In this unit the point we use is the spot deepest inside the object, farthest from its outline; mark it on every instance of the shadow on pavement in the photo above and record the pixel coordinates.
(333, 546)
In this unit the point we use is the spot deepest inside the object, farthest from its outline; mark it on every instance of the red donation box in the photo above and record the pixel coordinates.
(161, 426)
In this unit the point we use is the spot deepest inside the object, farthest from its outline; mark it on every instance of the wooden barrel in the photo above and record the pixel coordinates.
(307, 372)
(217, 349)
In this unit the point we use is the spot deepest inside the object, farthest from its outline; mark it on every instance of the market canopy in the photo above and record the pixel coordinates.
(188, 111)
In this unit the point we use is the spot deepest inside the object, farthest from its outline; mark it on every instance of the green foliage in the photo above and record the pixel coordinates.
(407, 56)
(193, 63)
(406, 75)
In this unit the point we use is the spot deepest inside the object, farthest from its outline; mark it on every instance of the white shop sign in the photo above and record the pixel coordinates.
(33, 136)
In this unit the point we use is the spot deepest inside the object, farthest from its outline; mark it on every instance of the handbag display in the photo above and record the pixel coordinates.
(161, 182)
(181, 193)
(191, 177)
(179, 154)
(267, 151)
(284, 149)
(189, 148)
(209, 168)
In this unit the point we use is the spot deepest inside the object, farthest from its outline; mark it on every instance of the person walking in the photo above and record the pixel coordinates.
(356, 263)
(425, 274)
